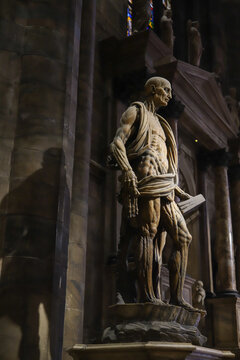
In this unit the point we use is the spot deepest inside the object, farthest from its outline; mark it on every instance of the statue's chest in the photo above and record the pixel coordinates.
(155, 126)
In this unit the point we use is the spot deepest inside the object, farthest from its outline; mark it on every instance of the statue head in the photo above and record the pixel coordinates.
(195, 24)
(198, 285)
(158, 90)
(168, 13)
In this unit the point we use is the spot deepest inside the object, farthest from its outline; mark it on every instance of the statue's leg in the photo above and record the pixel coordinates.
(122, 262)
(159, 243)
(146, 229)
(175, 225)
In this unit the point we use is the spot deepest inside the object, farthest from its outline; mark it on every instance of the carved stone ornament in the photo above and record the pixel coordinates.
(141, 15)
(166, 26)
(195, 47)
(199, 295)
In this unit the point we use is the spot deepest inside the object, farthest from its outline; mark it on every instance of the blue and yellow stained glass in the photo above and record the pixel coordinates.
(151, 21)
(129, 18)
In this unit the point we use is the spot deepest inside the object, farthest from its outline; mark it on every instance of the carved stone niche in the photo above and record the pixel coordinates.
(205, 113)
(131, 61)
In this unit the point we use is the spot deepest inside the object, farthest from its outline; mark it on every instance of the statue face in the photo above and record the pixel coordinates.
(199, 285)
(158, 90)
(163, 93)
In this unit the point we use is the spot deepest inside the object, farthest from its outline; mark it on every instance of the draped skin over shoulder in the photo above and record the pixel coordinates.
(162, 184)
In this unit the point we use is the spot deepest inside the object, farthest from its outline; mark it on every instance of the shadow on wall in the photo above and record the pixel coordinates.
(28, 216)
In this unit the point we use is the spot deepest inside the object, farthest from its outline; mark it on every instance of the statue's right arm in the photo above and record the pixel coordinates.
(117, 147)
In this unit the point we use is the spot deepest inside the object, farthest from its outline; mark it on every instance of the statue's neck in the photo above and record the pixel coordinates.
(150, 106)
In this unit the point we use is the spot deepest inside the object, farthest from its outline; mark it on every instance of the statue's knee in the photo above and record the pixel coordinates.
(144, 231)
(148, 231)
(153, 231)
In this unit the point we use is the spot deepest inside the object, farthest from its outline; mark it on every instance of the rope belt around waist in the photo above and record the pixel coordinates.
(157, 186)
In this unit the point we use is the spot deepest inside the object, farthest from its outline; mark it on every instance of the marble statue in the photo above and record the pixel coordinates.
(195, 47)
(199, 295)
(167, 35)
(145, 150)
(141, 15)
(233, 105)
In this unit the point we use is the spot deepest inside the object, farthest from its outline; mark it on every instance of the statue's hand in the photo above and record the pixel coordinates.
(130, 184)
(182, 194)
(111, 162)
(185, 196)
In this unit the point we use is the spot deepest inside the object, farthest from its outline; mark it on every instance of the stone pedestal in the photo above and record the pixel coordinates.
(146, 322)
(146, 351)
(225, 323)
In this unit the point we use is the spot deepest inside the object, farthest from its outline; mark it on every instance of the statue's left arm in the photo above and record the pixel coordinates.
(182, 194)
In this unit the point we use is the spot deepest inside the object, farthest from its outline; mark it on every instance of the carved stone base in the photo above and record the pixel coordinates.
(146, 351)
(150, 322)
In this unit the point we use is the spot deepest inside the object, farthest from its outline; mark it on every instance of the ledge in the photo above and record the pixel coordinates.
(146, 351)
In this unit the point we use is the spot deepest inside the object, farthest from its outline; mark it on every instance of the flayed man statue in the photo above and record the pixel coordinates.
(144, 148)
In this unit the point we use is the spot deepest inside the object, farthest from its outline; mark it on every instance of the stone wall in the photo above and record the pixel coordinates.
(34, 58)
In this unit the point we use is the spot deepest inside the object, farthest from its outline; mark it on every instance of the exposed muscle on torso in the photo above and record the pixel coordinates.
(154, 160)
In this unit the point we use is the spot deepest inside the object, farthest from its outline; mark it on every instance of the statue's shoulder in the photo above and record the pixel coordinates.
(161, 119)
(138, 104)
(140, 107)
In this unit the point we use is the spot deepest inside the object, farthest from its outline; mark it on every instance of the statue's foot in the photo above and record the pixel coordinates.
(152, 300)
(158, 302)
(183, 304)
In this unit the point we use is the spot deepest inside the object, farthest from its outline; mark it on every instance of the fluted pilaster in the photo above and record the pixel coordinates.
(224, 249)
(234, 177)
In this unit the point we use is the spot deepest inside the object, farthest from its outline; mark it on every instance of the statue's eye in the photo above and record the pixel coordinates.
(166, 89)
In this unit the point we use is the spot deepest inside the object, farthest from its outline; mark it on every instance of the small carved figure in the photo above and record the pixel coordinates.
(195, 47)
(233, 105)
(167, 35)
(141, 15)
(199, 295)
(144, 148)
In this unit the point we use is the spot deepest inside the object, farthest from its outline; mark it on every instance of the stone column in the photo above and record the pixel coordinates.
(74, 308)
(205, 227)
(234, 177)
(65, 184)
(224, 250)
